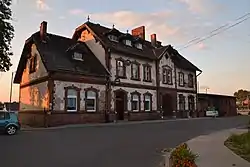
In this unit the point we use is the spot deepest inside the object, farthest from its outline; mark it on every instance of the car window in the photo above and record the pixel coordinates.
(7, 115)
(2, 115)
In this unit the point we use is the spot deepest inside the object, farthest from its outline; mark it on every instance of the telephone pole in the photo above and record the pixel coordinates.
(11, 85)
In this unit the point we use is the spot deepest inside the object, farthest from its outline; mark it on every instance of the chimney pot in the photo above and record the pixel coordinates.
(43, 30)
(153, 40)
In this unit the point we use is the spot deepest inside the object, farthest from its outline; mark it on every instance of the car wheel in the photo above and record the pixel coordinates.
(11, 130)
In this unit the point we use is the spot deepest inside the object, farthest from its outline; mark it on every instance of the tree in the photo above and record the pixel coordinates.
(242, 95)
(6, 35)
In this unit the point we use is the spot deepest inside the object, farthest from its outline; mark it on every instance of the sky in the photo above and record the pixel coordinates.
(223, 58)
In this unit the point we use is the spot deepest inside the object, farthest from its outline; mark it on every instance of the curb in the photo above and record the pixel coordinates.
(112, 124)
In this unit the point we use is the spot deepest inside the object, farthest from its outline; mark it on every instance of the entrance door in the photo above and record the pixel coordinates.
(167, 105)
(120, 103)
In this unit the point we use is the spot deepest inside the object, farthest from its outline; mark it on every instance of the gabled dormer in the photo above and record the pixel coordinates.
(138, 43)
(127, 39)
(113, 34)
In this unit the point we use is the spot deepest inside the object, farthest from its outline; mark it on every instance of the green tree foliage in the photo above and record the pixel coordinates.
(241, 95)
(6, 35)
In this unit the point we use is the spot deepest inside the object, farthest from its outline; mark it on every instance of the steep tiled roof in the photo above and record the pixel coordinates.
(55, 56)
(100, 31)
(148, 50)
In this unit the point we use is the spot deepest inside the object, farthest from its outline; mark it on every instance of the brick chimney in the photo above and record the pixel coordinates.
(43, 30)
(153, 40)
(139, 32)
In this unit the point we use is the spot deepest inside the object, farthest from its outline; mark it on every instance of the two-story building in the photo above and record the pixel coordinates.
(102, 74)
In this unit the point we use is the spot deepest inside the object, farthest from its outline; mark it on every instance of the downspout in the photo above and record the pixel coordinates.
(197, 91)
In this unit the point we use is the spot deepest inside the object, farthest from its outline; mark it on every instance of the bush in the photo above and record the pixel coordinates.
(182, 156)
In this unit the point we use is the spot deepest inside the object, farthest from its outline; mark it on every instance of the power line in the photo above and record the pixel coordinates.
(189, 43)
(214, 34)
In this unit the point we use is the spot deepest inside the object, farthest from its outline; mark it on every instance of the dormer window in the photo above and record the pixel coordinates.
(128, 42)
(113, 38)
(77, 56)
(138, 45)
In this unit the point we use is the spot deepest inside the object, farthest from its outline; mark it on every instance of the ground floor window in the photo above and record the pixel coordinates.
(181, 102)
(135, 101)
(91, 101)
(71, 100)
(147, 102)
(191, 104)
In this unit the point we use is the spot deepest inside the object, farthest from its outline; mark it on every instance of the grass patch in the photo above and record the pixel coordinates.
(240, 144)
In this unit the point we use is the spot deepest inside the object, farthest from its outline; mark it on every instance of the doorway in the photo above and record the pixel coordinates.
(120, 103)
(167, 105)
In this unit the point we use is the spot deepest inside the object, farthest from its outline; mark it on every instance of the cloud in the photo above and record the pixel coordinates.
(200, 6)
(76, 12)
(42, 6)
(201, 46)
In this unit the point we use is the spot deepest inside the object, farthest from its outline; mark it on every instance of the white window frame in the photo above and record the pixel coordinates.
(91, 98)
(120, 68)
(78, 56)
(138, 45)
(147, 73)
(137, 100)
(128, 42)
(113, 38)
(181, 79)
(72, 97)
(135, 70)
(148, 100)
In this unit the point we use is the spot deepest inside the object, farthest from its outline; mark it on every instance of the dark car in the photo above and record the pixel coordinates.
(9, 122)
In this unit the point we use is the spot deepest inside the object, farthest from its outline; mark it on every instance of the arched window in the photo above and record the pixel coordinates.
(91, 101)
(71, 104)
(135, 101)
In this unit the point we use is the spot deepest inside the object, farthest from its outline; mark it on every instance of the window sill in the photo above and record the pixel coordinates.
(147, 80)
(167, 83)
(135, 79)
(121, 77)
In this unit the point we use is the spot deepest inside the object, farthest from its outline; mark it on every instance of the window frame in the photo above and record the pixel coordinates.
(78, 54)
(123, 68)
(128, 42)
(191, 102)
(167, 75)
(182, 101)
(113, 38)
(138, 45)
(181, 76)
(150, 101)
(78, 100)
(138, 101)
(190, 80)
(135, 63)
(33, 63)
(96, 91)
(145, 77)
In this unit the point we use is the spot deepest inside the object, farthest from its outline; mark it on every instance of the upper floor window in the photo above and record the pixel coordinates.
(167, 75)
(135, 71)
(147, 73)
(135, 101)
(181, 79)
(128, 42)
(113, 38)
(138, 45)
(91, 101)
(190, 80)
(33, 63)
(120, 68)
(78, 56)
(71, 104)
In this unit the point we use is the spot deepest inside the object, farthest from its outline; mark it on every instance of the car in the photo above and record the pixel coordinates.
(9, 122)
(212, 112)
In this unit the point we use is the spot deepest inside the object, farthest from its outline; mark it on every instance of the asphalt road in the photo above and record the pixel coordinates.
(137, 145)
